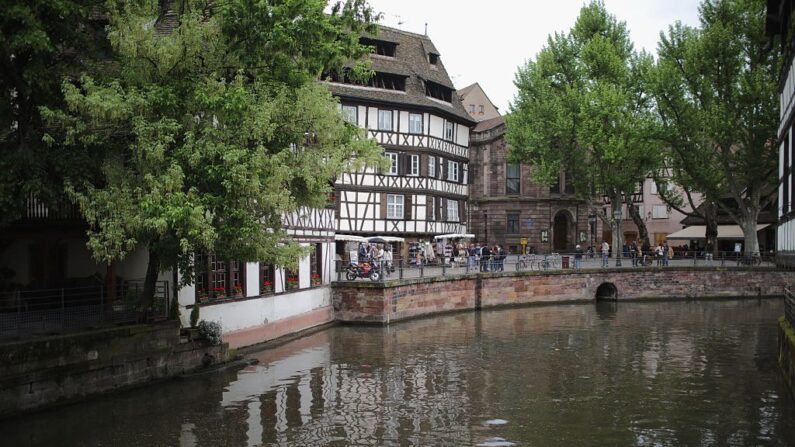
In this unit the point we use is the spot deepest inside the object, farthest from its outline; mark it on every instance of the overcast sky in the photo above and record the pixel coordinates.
(485, 41)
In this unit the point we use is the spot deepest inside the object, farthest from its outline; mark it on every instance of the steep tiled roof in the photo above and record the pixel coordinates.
(411, 60)
(489, 124)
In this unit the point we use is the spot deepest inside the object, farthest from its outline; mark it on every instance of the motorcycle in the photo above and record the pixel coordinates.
(363, 270)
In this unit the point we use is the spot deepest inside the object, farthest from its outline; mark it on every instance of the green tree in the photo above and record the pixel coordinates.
(716, 93)
(582, 107)
(39, 43)
(209, 125)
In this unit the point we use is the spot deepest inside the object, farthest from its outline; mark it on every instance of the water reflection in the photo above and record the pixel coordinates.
(669, 373)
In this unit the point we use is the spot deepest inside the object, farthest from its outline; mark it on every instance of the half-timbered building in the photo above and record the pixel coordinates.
(779, 26)
(409, 107)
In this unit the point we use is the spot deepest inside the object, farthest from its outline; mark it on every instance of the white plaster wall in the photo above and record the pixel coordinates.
(252, 279)
(373, 118)
(238, 315)
(462, 135)
(361, 114)
(404, 122)
(436, 126)
(304, 270)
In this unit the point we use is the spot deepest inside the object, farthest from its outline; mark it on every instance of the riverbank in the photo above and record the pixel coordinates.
(46, 371)
(390, 301)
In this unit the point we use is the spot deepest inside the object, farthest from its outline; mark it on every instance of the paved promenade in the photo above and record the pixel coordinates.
(551, 263)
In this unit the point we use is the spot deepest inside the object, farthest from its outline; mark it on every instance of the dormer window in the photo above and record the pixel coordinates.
(380, 47)
(433, 58)
(386, 81)
(438, 91)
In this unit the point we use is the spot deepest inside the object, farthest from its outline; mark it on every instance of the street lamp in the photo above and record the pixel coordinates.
(617, 250)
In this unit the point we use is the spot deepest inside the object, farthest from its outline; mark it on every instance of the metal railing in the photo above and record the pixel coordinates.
(407, 268)
(51, 311)
(789, 306)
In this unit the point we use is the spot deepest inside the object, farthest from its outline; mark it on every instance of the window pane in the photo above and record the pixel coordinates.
(384, 120)
(513, 224)
(349, 114)
(394, 206)
(415, 165)
(512, 179)
(415, 123)
(431, 166)
(393, 168)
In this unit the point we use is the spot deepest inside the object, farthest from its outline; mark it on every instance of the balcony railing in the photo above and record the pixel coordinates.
(51, 311)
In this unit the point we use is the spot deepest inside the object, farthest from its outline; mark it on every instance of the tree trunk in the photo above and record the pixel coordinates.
(152, 270)
(617, 236)
(643, 232)
(751, 244)
(711, 221)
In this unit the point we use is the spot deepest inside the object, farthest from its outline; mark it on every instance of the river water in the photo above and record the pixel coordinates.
(613, 374)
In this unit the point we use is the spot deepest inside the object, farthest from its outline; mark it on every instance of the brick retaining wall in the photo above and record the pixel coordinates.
(375, 302)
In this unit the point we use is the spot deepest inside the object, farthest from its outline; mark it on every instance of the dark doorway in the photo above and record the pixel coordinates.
(560, 232)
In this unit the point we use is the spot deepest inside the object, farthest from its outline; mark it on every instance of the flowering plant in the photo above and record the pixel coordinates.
(292, 282)
(202, 295)
(237, 290)
(219, 292)
(315, 279)
(267, 287)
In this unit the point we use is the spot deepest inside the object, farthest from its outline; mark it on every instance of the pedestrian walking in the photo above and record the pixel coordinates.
(666, 253)
(577, 257)
(605, 254)
(485, 258)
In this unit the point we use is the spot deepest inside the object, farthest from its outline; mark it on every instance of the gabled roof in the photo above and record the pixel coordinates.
(411, 60)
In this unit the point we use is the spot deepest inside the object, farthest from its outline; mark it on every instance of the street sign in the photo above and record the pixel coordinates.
(530, 222)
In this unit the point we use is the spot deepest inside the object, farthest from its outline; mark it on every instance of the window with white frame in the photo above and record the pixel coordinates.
(415, 165)
(393, 166)
(659, 212)
(452, 171)
(394, 206)
(349, 114)
(415, 123)
(448, 130)
(452, 210)
(431, 166)
(384, 120)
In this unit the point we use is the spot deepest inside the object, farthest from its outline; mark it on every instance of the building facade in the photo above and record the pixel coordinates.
(410, 108)
(778, 26)
(507, 207)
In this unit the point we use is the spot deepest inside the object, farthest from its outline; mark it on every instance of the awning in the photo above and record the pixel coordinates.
(455, 236)
(349, 237)
(725, 232)
(392, 238)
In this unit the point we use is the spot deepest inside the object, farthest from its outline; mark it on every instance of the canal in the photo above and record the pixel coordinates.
(662, 373)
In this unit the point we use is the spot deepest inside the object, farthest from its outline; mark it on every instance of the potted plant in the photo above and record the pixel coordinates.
(292, 282)
(237, 291)
(267, 287)
(219, 293)
(315, 279)
(203, 296)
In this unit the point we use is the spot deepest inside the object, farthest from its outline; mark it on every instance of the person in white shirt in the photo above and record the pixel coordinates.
(605, 254)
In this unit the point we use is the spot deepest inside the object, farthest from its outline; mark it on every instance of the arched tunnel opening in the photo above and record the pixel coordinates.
(607, 291)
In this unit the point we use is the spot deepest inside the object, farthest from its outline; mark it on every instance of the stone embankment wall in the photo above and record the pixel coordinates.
(371, 302)
(45, 371)
(786, 352)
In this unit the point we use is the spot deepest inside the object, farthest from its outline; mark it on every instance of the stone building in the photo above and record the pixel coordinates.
(506, 206)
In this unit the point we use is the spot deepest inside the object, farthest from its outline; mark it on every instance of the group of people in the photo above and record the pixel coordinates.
(488, 259)
(642, 254)
(376, 254)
